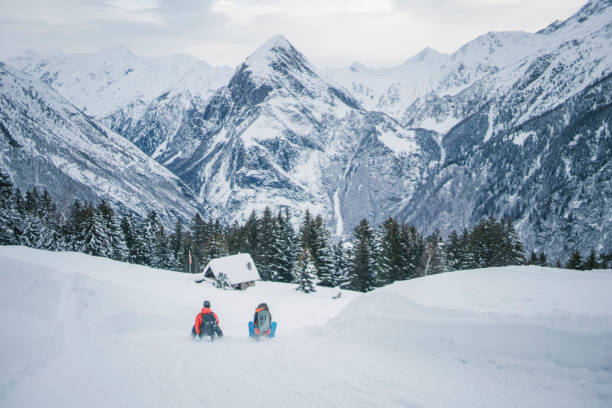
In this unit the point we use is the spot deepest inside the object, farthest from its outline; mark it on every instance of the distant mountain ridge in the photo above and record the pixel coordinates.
(500, 127)
(47, 140)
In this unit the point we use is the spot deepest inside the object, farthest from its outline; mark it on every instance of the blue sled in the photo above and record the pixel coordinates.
(270, 335)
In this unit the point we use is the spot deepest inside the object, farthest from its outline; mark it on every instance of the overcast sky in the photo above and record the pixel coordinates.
(331, 33)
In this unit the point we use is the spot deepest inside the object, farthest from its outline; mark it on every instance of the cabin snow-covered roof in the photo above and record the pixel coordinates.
(238, 268)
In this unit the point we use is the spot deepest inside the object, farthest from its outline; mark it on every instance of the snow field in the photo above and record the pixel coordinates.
(87, 331)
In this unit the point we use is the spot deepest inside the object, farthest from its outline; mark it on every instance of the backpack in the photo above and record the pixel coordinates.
(263, 321)
(208, 324)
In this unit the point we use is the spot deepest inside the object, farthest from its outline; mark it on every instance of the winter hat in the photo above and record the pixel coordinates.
(206, 303)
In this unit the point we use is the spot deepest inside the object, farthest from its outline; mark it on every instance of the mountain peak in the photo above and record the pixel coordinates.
(277, 54)
(270, 49)
(278, 41)
(426, 53)
(358, 67)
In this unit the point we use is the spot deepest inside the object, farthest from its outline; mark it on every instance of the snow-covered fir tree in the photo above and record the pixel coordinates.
(162, 256)
(389, 265)
(514, 249)
(321, 252)
(284, 248)
(340, 276)
(8, 215)
(175, 245)
(92, 237)
(73, 225)
(304, 272)
(33, 232)
(134, 232)
(590, 262)
(266, 245)
(117, 241)
(411, 249)
(362, 265)
(574, 261)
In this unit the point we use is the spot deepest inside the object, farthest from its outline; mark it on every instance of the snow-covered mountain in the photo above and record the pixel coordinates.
(88, 331)
(46, 141)
(539, 150)
(436, 91)
(281, 133)
(142, 98)
(511, 124)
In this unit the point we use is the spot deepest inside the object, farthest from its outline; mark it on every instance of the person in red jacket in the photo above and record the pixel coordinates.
(206, 323)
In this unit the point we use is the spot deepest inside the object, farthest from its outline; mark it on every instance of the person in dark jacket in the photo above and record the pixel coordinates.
(206, 323)
(262, 324)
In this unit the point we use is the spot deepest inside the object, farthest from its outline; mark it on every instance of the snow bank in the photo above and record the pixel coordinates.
(558, 316)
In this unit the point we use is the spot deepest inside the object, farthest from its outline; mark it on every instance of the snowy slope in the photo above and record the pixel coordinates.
(89, 331)
(47, 142)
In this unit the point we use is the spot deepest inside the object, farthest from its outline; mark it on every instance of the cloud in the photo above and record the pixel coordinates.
(329, 32)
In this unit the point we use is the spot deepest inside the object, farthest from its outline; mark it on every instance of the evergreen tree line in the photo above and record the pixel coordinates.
(376, 256)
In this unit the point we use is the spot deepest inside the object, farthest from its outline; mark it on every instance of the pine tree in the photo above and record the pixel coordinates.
(412, 247)
(31, 201)
(134, 233)
(175, 245)
(265, 245)
(305, 272)
(8, 215)
(363, 259)
(73, 225)
(93, 238)
(515, 248)
(542, 261)
(250, 238)
(162, 256)
(118, 245)
(390, 253)
(454, 251)
(533, 259)
(575, 260)
(469, 253)
(6, 188)
(321, 251)
(340, 277)
(32, 231)
(235, 238)
(605, 260)
(284, 248)
(53, 223)
(201, 236)
(306, 233)
(591, 262)
(149, 232)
